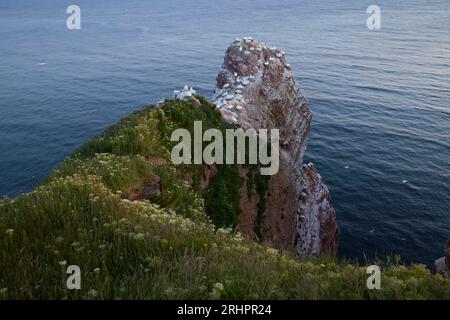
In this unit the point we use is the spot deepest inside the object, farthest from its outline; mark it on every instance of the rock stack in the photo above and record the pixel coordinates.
(257, 89)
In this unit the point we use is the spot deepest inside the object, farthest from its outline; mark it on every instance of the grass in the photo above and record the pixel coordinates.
(169, 248)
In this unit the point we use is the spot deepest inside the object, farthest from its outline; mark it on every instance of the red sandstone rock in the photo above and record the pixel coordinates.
(256, 89)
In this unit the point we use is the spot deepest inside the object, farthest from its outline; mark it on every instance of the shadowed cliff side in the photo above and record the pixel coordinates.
(443, 264)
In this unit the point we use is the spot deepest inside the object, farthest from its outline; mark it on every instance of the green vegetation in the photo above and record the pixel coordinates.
(222, 197)
(260, 183)
(167, 248)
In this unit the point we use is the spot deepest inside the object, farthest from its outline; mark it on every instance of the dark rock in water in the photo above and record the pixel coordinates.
(257, 89)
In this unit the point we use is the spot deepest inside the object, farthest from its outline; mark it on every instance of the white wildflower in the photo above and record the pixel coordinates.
(92, 293)
(139, 236)
(272, 251)
(218, 286)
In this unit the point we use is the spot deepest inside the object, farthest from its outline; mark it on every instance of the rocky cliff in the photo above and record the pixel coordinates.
(140, 227)
(257, 89)
(443, 264)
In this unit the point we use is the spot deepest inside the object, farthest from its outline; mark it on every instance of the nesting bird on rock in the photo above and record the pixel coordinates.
(184, 94)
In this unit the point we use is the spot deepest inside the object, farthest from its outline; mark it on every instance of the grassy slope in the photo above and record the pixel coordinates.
(170, 248)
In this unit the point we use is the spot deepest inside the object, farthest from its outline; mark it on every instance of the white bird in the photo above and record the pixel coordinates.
(184, 94)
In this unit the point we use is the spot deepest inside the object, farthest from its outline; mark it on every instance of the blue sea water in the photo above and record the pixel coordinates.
(381, 99)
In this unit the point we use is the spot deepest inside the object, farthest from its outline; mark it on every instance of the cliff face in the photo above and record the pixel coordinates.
(257, 89)
(443, 264)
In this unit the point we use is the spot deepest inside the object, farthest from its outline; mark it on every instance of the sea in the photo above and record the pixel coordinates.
(380, 97)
